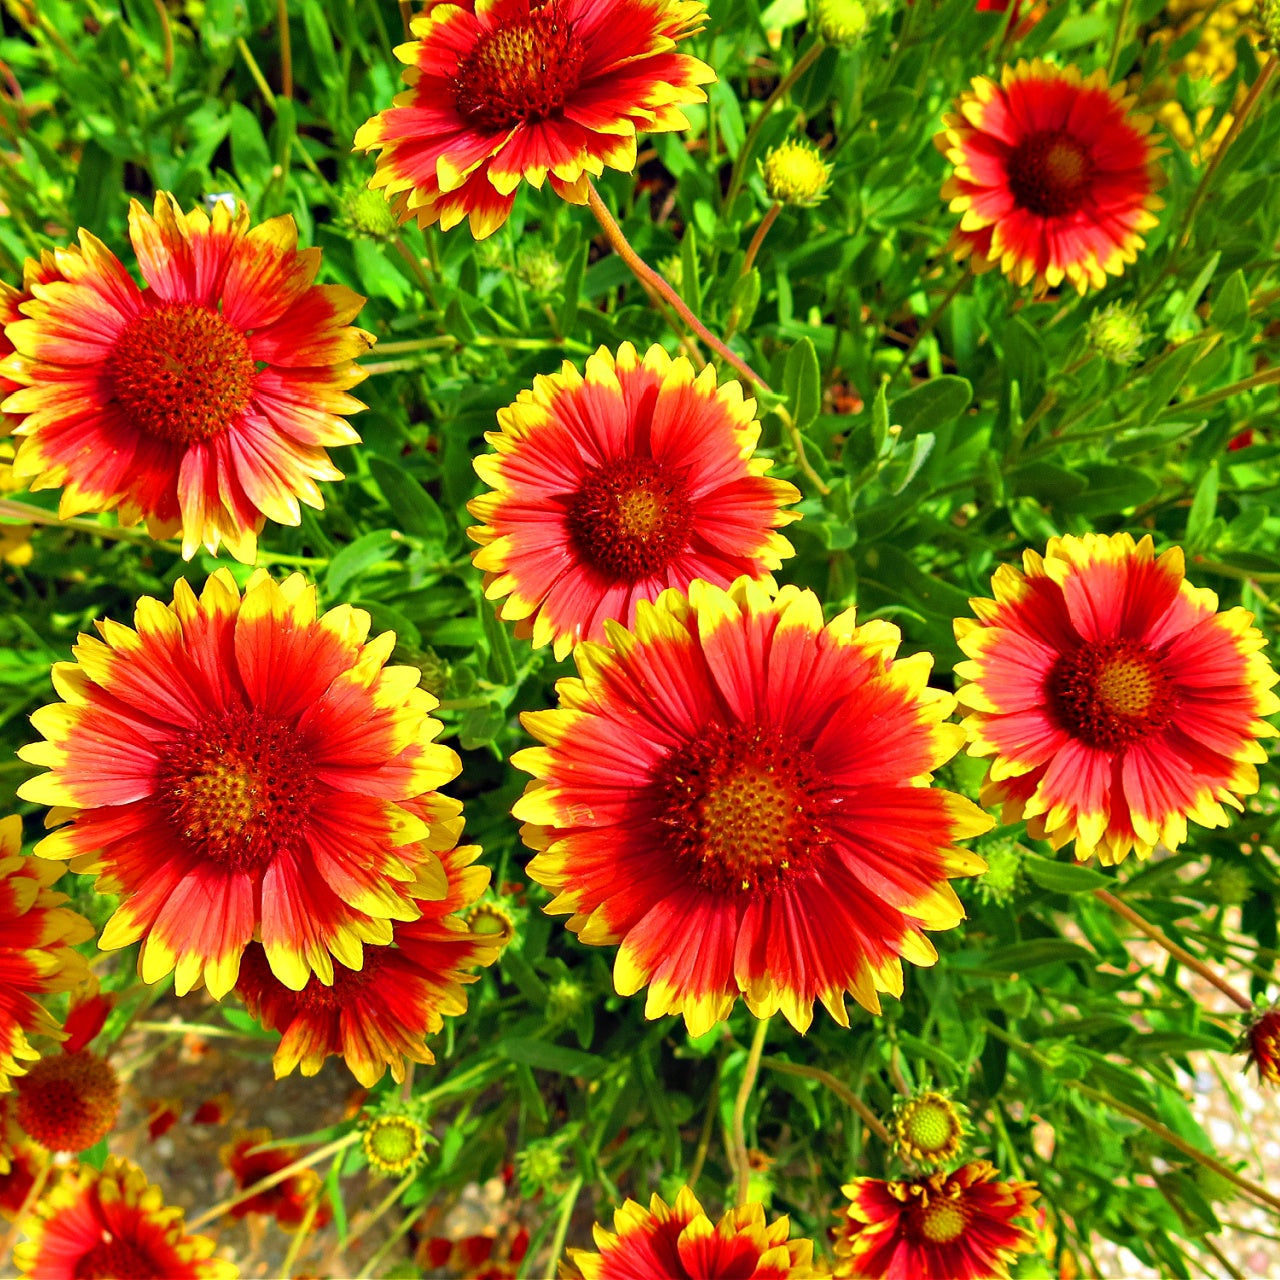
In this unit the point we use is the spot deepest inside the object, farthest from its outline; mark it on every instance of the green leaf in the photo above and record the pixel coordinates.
(744, 297)
(1112, 489)
(1185, 320)
(413, 508)
(1231, 305)
(802, 383)
(1064, 877)
(502, 666)
(250, 156)
(553, 1057)
(320, 38)
(690, 280)
(1203, 507)
(355, 558)
(573, 274)
(1021, 956)
(931, 405)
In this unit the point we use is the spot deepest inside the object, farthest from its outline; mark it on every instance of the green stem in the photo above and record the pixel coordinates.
(1117, 40)
(1265, 378)
(383, 1207)
(274, 1179)
(929, 325)
(784, 86)
(1149, 1123)
(708, 1127)
(1256, 90)
(566, 1215)
(839, 1088)
(740, 1159)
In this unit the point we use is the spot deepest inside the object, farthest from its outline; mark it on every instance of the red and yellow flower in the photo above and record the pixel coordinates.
(610, 488)
(288, 1201)
(101, 1226)
(37, 934)
(679, 1242)
(1116, 702)
(737, 795)
(948, 1226)
(1262, 1042)
(523, 90)
(1055, 177)
(241, 768)
(21, 1161)
(203, 403)
(377, 1016)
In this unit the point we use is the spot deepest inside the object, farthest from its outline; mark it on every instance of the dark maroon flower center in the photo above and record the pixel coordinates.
(238, 788)
(1110, 695)
(116, 1259)
(630, 518)
(1050, 173)
(182, 373)
(742, 806)
(524, 71)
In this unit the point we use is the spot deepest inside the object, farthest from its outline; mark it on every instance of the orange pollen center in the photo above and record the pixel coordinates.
(115, 1259)
(239, 789)
(182, 373)
(1050, 173)
(741, 805)
(522, 72)
(1109, 695)
(942, 1221)
(69, 1101)
(630, 519)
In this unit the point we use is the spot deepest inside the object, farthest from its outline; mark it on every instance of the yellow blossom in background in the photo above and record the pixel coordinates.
(1212, 61)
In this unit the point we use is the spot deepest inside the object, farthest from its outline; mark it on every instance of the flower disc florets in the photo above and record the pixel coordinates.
(394, 1142)
(69, 1101)
(794, 173)
(841, 22)
(1115, 332)
(928, 1128)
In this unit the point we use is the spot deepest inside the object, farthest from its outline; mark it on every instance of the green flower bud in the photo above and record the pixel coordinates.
(794, 173)
(538, 1166)
(1115, 333)
(367, 214)
(841, 22)
(566, 998)
(1002, 881)
(1269, 21)
(540, 268)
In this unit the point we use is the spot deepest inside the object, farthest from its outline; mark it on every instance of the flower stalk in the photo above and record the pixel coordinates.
(653, 281)
(740, 1160)
(1180, 954)
(839, 1088)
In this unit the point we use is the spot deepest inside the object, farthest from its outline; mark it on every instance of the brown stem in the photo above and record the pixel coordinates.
(784, 86)
(166, 34)
(286, 49)
(1180, 954)
(758, 239)
(406, 16)
(741, 1160)
(839, 1088)
(652, 280)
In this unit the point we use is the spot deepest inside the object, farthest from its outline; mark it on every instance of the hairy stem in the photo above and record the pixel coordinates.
(1180, 954)
(839, 1088)
(741, 1161)
(784, 87)
(652, 280)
